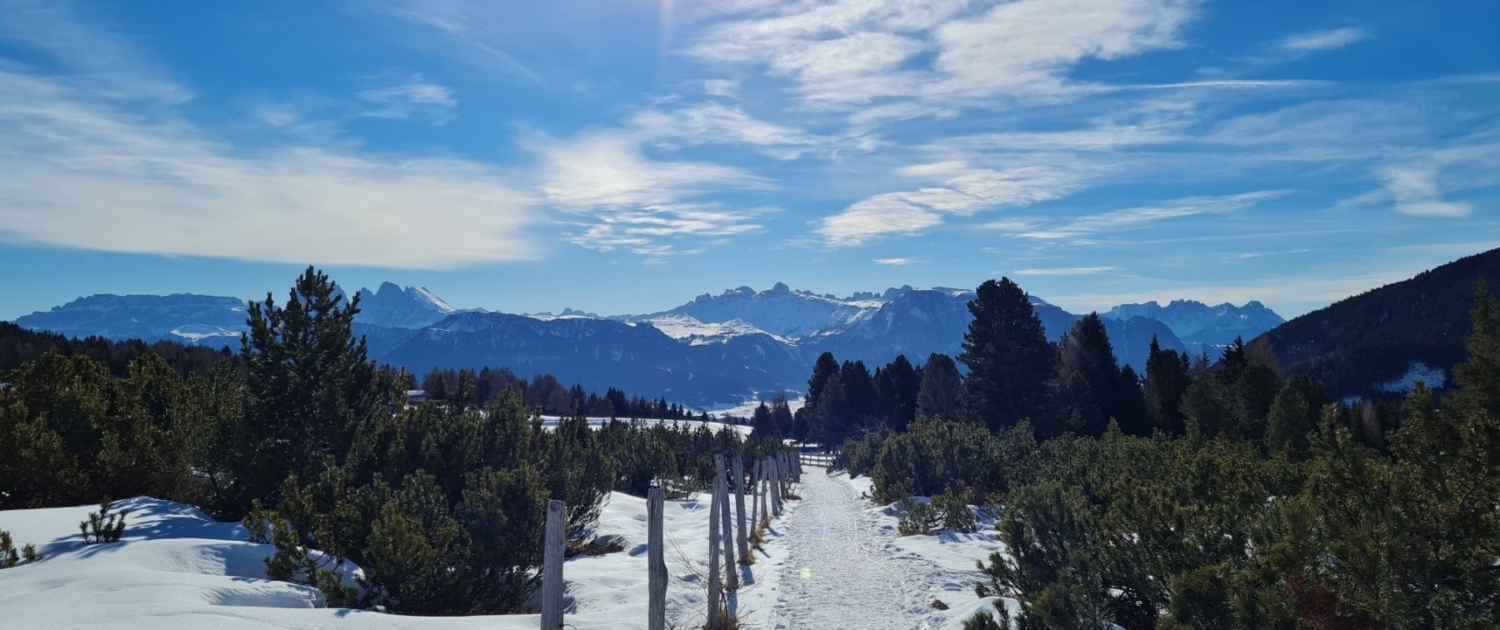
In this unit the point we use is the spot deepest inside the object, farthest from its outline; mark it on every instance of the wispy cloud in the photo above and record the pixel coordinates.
(406, 95)
(1136, 217)
(954, 188)
(92, 175)
(932, 56)
(1065, 271)
(716, 123)
(1324, 40)
(893, 262)
(1416, 192)
(626, 200)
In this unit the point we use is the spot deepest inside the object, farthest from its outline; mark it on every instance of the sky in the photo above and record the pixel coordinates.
(624, 156)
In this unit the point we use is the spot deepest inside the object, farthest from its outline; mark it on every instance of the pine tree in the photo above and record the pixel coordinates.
(1166, 382)
(859, 394)
(309, 382)
(1254, 393)
(941, 390)
(1479, 376)
(1009, 359)
(823, 368)
(1088, 380)
(898, 385)
(1289, 423)
(1206, 403)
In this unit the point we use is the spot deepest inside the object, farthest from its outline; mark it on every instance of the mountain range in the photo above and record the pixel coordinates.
(714, 350)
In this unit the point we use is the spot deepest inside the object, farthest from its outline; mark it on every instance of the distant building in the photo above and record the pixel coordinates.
(416, 396)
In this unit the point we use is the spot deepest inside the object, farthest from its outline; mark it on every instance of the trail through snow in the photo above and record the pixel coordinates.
(843, 570)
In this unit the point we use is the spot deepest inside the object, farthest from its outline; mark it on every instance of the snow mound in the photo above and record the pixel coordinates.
(178, 569)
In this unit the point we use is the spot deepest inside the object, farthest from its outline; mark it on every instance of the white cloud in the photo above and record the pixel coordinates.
(722, 87)
(715, 123)
(893, 262)
(1135, 217)
(928, 57)
(957, 189)
(405, 96)
(1065, 271)
(1324, 40)
(91, 174)
(632, 202)
(1416, 192)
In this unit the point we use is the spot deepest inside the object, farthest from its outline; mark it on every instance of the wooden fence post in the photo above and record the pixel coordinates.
(765, 497)
(714, 590)
(656, 561)
(742, 535)
(726, 515)
(755, 495)
(775, 489)
(552, 567)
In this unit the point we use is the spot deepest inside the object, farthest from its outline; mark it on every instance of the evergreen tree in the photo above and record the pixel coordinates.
(1088, 380)
(941, 390)
(1009, 359)
(1289, 423)
(309, 382)
(1254, 393)
(761, 422)
(829, 421)
(898, 385)
(859, 394)
(1130, 404)
(781, 416)
(1206, 403)
(1166, 382)
(1479, 376)
(1233, 361)
(823, 368)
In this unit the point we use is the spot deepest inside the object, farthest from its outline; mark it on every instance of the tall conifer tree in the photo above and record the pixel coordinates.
(1009, 359)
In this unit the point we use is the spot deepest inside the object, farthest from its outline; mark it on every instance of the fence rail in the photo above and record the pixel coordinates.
(817, 459)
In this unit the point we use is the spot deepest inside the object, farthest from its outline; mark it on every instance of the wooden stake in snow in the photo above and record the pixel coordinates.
(552, 567)
(726, 515)
(656, 561)
(775, 489)
(765, 499)
(714, 590)
(742, 535)
(755, 495)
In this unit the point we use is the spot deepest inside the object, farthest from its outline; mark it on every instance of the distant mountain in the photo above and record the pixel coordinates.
(1364, 344)
(1199, 325)
(388, 317)
(601, 353)
(182, 317)
(715, 349)
(778, 310)
(394, 307)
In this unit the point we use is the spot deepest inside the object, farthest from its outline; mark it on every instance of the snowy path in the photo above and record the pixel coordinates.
(842, 570)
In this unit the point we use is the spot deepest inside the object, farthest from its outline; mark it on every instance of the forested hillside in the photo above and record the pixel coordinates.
(1376, 336)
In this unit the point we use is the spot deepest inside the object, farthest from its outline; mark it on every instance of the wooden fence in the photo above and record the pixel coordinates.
(729, 528)
(817, 459)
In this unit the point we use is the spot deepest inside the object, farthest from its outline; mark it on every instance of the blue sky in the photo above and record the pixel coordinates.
(625, 155)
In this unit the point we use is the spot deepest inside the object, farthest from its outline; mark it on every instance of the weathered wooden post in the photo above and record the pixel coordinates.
(755, 495)
(552, 567)
(726, 516)
(775, 488)
(656, 561)
(765, 497)
(714, 590)
(742, 535)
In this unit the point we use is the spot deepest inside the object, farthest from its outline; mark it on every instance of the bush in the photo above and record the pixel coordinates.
(103, 527)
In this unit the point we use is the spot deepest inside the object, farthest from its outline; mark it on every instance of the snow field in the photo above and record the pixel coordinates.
(177, 569)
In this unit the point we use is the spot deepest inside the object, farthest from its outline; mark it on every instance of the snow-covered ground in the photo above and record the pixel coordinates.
(847, 567)
(832, 561)
(178, 569)
(550, 422)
